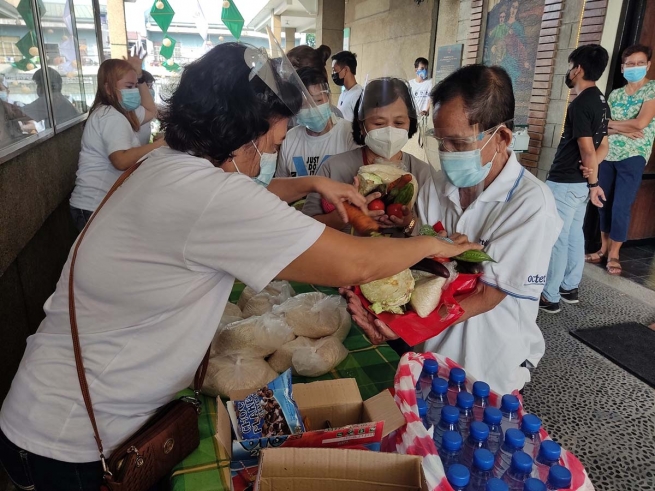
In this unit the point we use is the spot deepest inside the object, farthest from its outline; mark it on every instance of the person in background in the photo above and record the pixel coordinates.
(421, 87)
(512, 213)
(385, 120)
(316, 137)
(584, 139)
(14, 123)
(63, 108)
(145, 132)
(344, 69)
(110, 144)
(631, 135)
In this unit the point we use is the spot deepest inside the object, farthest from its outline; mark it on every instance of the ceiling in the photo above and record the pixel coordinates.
(298, 14)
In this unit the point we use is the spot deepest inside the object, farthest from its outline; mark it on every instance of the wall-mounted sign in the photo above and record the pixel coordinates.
(449, 59)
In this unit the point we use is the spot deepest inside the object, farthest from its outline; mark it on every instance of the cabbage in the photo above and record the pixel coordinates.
(389, 294)
(368, 183)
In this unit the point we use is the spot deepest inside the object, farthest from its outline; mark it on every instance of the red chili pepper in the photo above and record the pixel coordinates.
(438, 227)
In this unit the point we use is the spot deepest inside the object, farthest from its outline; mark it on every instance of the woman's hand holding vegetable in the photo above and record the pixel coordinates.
(336, 193)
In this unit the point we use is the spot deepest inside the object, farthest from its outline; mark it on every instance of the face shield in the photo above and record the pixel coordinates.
(386, 109)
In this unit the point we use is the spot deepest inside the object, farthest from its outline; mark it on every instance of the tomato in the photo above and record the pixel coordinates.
(395, 210)
(376, 205)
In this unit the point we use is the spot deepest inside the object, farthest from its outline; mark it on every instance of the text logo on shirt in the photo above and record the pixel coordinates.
(536, 280)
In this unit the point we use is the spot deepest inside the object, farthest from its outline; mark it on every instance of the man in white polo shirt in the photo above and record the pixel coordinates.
(344, 69)
(485, 193)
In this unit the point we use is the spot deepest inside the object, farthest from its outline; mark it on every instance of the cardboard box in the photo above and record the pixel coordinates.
(338, 402)
(318, 469)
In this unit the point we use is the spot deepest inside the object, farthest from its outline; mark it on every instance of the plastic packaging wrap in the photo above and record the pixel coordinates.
(281, 359)
(281, 290)
(255, 336)
(318, 358)
(226, 373)
(313, 315)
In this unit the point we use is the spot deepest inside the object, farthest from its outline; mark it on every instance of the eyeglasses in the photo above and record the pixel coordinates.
(632, 64)
(451, 144)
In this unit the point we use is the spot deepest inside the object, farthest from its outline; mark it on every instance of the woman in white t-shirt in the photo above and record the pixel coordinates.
(110, 143)
(158, 263)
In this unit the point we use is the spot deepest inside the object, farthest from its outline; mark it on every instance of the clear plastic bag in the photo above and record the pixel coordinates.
(255, 336)
(226, 373)
(313, 315)
(281, 359)
(318, 358)
(277, 291)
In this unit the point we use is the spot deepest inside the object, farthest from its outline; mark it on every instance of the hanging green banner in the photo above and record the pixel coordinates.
(232, 18)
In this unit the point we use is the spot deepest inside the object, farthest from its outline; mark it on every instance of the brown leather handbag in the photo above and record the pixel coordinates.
(166, 439)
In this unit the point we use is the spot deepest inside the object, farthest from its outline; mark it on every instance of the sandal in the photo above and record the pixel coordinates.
(613, 266)
(595, 258)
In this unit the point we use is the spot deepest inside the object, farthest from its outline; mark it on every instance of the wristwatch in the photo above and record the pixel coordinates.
(594, 185)
(410, 227)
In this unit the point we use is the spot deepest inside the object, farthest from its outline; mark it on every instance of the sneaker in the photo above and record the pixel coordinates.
(549, 307)
(569, 296)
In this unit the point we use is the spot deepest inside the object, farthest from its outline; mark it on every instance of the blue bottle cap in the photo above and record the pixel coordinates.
(439, 385)
(457, 375)
(550, 450)
(464, 400)
(492, 415)
(451, 441)
(521, 462)
(530, 424)
(495, 484)
(458, 476)
(559, 477)
(515, 438)
(422, 407)
(483, 459)
(479, 431)
(509, 403)
(481, 389)
(430, 366)
(532, 484)
(450, 414)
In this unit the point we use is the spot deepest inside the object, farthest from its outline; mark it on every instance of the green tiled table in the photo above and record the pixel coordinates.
(372, 366)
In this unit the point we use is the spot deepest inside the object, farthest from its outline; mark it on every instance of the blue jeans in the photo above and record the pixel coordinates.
(620, 182)
(80, 217)
(567, 257)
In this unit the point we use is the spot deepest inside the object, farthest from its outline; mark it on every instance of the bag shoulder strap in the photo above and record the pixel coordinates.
(77, 349)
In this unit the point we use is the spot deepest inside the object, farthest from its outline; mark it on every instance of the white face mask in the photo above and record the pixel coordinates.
(386, 142)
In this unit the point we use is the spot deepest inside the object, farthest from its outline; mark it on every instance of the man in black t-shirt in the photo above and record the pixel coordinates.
(584, 141)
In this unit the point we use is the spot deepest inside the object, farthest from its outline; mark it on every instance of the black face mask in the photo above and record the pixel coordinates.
(569, 83)
(337, 81)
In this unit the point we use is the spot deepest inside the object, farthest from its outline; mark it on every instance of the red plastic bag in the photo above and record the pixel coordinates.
(414, 439)
(414, 329)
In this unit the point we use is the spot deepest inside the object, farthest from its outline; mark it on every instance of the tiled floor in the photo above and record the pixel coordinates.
(638, 264)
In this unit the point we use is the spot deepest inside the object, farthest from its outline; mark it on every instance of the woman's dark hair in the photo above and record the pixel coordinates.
(215, 109)
(147, 77)
(307, 57)
(380, 93)
(486, 91)
(592, 58)
(420, 60)
(312, 76)
(636, 48)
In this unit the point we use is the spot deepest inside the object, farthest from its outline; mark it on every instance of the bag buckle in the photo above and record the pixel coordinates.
(105, 469)
(195, 401)
(139, 459)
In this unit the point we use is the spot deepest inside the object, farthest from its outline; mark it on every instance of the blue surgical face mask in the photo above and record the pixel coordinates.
(131, 99)
(3, 96)
(315, 119)
(423, 73)
(635, 73)
(465, 169)
(267, 166)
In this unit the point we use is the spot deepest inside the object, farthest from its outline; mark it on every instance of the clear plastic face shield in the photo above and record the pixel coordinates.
(386, 109)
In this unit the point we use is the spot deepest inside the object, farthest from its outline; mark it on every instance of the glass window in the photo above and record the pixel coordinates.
(87, 40)
(20, 60)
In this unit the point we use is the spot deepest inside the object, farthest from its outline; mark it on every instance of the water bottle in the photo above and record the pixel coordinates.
(559, 477)
(451, 449)
(530, 426)
(532, 484)
(437, 398)
(549, 453)
(495, 484)
(493, 417)
(510, 409)
(449, 422)
(456, 384)
(481, 470)
(458, 476)
(465, 406)
(518, 472)
(430, 369)
(477, 439)
(514, 441)
(423, 412)
(481, 392)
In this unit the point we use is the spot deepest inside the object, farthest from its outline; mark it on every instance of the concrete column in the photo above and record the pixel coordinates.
(329, 31)
(290, 38)
(276, 26)
(117, 31)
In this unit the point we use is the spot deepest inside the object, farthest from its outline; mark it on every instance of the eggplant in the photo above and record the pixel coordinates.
(433, 267)
(469, 268)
